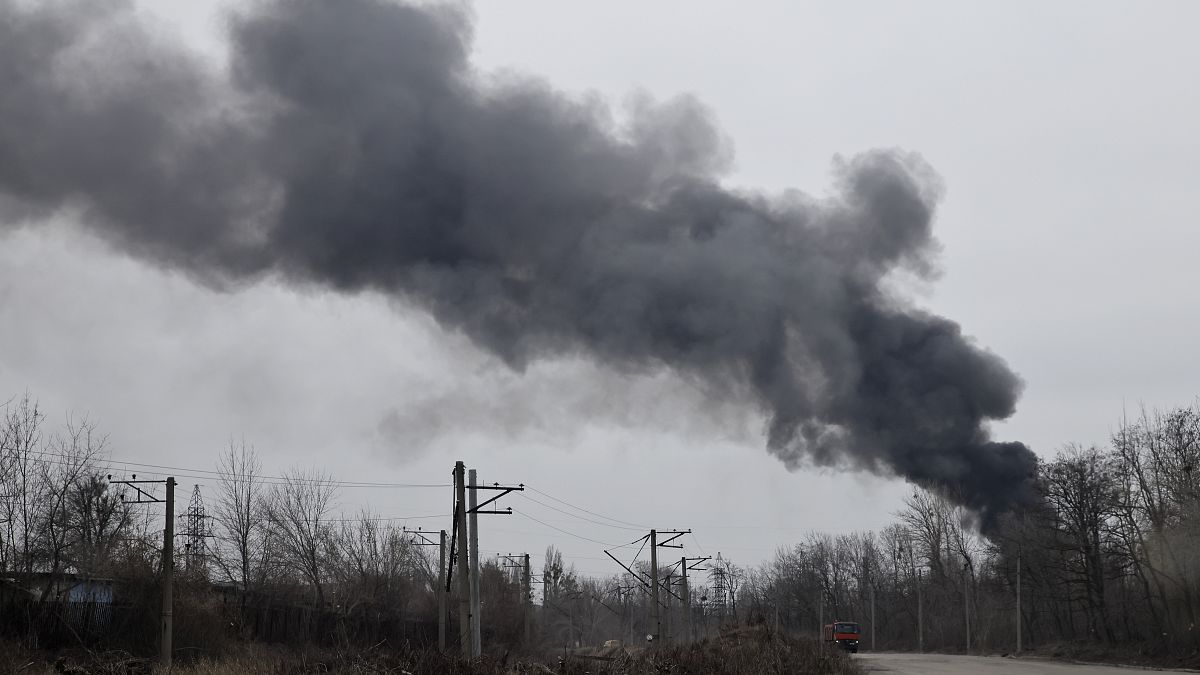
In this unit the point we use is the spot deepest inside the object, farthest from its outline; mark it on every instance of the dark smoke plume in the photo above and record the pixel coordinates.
(353, 146)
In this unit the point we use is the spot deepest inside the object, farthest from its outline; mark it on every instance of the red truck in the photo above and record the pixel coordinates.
(844, 634)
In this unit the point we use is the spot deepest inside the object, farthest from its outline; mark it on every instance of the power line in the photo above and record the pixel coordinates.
(563, 531)
(573, 515)
(580, 508)
(209, 474)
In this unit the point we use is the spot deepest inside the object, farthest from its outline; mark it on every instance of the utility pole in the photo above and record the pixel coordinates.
(654, 545)
(168, 565)
(687, 603)
(166, 630)
(920, 618)
(419, 538)
(522, 567)
(441, 591)
(1018, 600)
(686, 565)
(667, 603)
(912, 561)
(464, 581)
(967, 602)
(654, 585)
(527, 605)
(468, 584)
(476, 643)
(820, 614)
(872, 617)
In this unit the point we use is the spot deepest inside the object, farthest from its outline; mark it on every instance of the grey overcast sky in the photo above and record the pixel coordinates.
(1066, 138)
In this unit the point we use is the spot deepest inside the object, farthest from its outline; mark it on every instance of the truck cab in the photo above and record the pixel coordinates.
(844, 634)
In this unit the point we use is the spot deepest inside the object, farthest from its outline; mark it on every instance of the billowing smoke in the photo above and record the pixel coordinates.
(352, 145)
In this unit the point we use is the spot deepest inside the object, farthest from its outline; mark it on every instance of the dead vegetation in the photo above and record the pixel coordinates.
(750, 650)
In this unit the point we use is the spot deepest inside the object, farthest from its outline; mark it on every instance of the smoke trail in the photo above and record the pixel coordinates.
(354, 146)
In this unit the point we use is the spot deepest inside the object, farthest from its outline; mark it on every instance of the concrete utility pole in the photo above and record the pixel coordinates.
(527, 605)
(521, 564)
(920, 617)
(656, 604)
(687, 603)
(689, 564)
(820, 614)
(168, 566)
(168, 561)
(967, 604)
(420, 538)
(476, 643)
(1018, 600)
(442, 593)
(464, 581)
(468, 582)
(872, 617)
(654, 584)
(667, 602)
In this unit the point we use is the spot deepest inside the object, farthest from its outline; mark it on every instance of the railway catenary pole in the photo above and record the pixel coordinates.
(442, 593)
(654, 585)
(473, 522)
(464, 581)
(168, 567)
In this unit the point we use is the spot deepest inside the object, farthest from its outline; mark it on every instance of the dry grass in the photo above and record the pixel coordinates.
(750, 650)
(753, 650)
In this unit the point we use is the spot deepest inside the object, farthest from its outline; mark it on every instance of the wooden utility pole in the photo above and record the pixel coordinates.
(464, 581)
(654, 585)
(476, 641)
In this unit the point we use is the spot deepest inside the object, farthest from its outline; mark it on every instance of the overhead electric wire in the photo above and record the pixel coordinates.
(573, 515)
(580, 508)
(566, 532)
(210, 474)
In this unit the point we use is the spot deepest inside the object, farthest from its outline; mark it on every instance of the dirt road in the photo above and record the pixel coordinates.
(943, 664)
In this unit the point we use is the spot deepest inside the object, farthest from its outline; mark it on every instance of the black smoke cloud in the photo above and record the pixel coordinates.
(352, 145)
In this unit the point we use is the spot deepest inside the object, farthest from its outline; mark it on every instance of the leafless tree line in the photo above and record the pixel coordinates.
(1107, 554)
(275, 538)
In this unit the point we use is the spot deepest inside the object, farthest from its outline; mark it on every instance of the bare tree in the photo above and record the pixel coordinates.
(377, 565)
(298, 513)
(71, 461)
(20, 444)
(101, 521)
(241, 517)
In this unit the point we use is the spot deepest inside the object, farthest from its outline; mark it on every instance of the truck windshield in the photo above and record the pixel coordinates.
(845, 628)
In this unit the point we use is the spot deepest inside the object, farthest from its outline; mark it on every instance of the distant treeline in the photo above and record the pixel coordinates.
(1108, 554)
